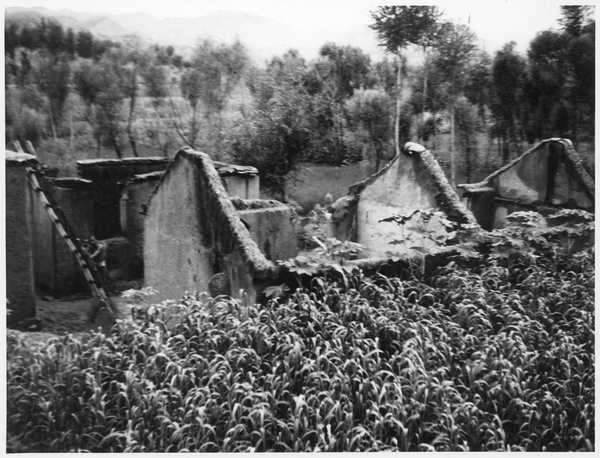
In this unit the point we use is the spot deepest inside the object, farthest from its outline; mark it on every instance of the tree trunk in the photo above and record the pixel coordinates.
(452, 148)
(51, 117)
(398, 102)
(193, 133)
(434, 114)
(468, 157)
(424, 102)
(71, 133)
(132, 141)
(115, 141)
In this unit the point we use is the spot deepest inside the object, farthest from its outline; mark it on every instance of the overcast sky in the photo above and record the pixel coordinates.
(494, 21)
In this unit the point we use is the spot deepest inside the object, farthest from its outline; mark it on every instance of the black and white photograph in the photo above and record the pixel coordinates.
(299, 226)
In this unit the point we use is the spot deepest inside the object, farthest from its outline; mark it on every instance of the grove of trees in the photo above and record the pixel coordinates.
(75, 96)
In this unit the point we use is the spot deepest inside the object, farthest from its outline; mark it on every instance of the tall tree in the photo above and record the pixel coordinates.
(370, 112)
(11, 39)
(544, 84)
(85, 44)
(400, 26)
(455, 51)
(52, 76)
(215, 71)
(70, 43)
(277, 133)
(508, 76)
(101, 86)
(573, 18)
(55, 38)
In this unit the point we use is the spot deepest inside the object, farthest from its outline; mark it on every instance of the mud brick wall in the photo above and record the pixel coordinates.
(273, 231)
(19, 250)
(550, 174)
(133, 203)
(412, 181)
(192, 232)
(56, 269)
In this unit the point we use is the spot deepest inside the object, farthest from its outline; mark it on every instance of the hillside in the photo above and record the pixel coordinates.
(264, 37)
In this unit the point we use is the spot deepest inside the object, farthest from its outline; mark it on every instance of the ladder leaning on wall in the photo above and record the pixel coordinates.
(60, 223)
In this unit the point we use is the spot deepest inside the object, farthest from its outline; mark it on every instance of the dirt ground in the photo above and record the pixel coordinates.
(70, 315)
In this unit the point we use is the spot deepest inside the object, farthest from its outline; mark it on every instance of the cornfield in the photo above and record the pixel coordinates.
(478, 359)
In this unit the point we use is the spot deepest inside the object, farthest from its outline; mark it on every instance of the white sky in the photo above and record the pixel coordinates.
(495, 21)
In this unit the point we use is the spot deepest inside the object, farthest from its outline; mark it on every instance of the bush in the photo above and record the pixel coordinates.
(468, 360)
(25, 124)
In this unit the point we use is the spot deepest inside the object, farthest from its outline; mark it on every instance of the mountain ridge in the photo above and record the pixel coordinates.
(264, 37)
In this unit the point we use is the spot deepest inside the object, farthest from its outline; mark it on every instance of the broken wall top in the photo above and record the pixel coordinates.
(550, 173)
(119, 169)
(444, 195)
(14, 158)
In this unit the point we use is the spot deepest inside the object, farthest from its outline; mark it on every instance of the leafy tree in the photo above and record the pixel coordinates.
(347, 66)
(100, 85)
(573, 18)
(432, 103)
(28, 38)
(544, 85)
(215, 71)
(455, 52)
(467, 117)
(24, 69)
(85, 44)
(276, 134)
(52, 77)
(191, 88)
(11, 39)
(383, 75)
(55, 38)
(478, 82)
(400, 26)
(508, 73)
(70, 47)
(580, 58)
(370, 112)
(156, 84)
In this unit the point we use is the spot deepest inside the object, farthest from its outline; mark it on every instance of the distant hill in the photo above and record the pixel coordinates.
(262, 36)
(100, 26)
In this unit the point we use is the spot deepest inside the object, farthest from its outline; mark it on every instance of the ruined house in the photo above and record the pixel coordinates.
(193, 232)
(186, 223)
(413, 180)
(106, 177)
(548, 177)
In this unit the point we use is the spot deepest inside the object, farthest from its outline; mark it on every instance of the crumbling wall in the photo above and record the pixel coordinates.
(106, 176)
(273, 230)
(133, 204)
(56, 269)
(244, 187)
(548, 176)
(239, 180)
(412, 181)
(19, 248)
(193, 231)
(177, 256)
